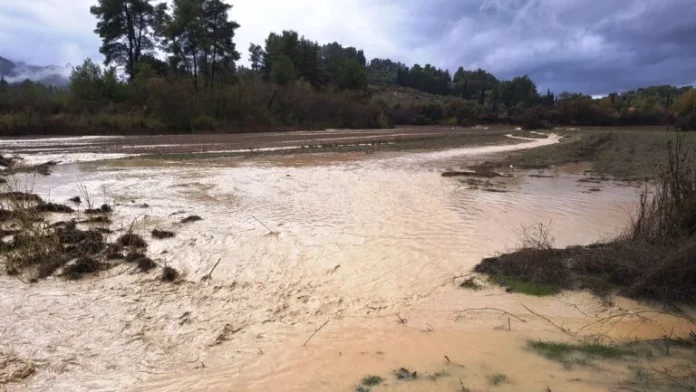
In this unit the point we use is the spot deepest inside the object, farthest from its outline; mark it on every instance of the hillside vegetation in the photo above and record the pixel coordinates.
(180, 74)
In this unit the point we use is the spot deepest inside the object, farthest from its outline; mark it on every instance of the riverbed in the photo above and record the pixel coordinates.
(311, 271)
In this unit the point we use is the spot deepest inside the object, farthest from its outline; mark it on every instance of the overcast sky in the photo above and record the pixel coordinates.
(590, 46)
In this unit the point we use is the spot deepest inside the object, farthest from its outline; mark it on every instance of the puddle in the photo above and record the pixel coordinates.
(362, 243)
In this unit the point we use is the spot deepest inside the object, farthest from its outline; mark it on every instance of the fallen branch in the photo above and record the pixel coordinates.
(206, 277)
(314, 333)
(402, 320)
(488, 309)
(565, 330)
(638, 313)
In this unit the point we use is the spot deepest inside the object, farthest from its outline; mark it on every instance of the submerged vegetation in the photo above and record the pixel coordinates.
(38, 249)
(562, 352)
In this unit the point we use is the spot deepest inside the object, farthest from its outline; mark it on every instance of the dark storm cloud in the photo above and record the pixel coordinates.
(592, 46)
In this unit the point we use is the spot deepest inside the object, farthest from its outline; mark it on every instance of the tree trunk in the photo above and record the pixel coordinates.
(131, 40)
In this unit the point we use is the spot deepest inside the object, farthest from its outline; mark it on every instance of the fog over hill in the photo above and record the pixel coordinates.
(15, 72)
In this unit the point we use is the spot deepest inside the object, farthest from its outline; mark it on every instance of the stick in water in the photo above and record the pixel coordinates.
(264, 225)
(206, 277)
(315, 332)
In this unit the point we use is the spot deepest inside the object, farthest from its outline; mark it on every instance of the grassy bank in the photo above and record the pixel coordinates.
(655, 258)
(626, 154)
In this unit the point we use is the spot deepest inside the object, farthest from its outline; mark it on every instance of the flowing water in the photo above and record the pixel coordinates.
(331, 267)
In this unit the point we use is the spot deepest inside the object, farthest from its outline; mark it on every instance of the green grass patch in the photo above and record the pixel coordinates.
(371, 380)
(562, 352)
(497, 379)
(530, 288)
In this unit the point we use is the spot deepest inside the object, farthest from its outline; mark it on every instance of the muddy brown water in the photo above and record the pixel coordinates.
(368, 247)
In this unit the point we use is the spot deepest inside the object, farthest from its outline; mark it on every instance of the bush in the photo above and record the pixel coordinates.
(656, 258)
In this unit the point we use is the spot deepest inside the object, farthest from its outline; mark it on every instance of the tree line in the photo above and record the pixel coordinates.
(173, 68)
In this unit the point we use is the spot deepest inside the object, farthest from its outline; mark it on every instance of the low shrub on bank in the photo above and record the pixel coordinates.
(655, 258)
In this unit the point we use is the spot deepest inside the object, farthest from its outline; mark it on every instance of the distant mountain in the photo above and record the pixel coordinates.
(18, 71)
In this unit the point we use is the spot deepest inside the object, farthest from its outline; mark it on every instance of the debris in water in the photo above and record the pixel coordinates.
(225, 334)
(14, 369)
(482, 174)
(160, 234)
(96, 219)
(191, 218)
(470, 283)
(405, 374)
(75, 200)
(104, 209)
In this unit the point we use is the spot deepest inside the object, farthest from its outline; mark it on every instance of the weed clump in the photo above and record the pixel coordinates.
(75, 200)
(53, 207)
(371, 380)
(21, 196)
(470, 284)
(405, 374)
(145, 264)
(558, 351)
(83, 265)
(104, 209)
(169, 274)
(80, 242)
(97, 219)
(191, 218)
(6, 215)
(132, 257)
(132, 240)
(114, 252)
(161, 234)
(497, 379)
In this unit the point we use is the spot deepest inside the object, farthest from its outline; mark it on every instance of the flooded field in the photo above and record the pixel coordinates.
(310, 272)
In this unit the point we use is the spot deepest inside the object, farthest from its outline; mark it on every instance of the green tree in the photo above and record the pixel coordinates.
(126, 28)
(283, 72)
(352, 76)
(255, 56)
(519, 91)
(87, 84)
(199, 37)
(302, 53)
